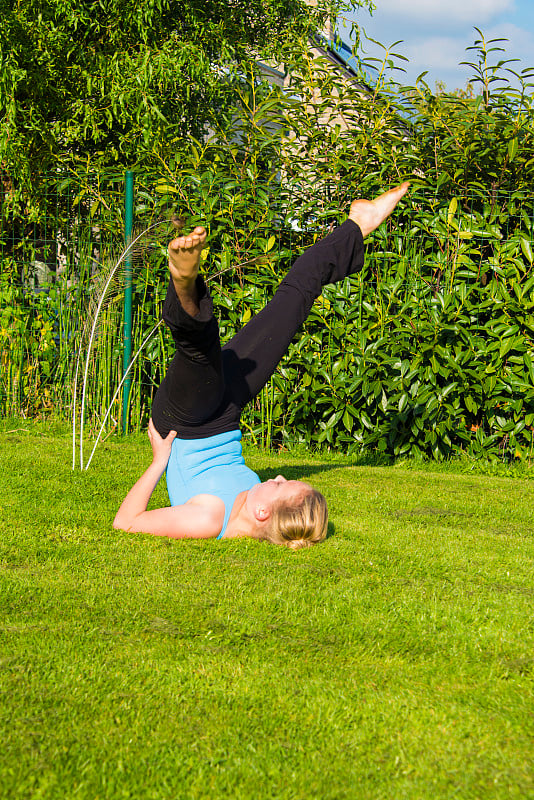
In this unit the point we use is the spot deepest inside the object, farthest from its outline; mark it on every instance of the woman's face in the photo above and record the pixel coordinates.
(264, 495)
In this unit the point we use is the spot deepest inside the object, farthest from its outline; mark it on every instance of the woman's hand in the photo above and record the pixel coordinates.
(189, 521)
(161, 448)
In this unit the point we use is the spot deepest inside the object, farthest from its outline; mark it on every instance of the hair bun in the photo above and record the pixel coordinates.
(296, 544)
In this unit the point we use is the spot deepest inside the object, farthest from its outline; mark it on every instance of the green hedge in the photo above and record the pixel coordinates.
(429, 351)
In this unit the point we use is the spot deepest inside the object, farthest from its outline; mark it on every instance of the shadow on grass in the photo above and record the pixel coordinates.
(331, 530)
(298, 471)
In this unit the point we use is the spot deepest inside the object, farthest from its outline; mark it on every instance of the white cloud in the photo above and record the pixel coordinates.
(519, 39)
(520, 45)
(439, 52)
(442, 55)
(436, 34)
(451, 12)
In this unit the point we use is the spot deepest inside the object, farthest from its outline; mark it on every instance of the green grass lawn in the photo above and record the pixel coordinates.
(396, 660)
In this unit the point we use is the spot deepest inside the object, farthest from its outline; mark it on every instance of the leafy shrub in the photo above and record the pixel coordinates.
(428, 352)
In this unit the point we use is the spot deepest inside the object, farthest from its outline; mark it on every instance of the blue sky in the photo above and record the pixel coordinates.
(435, 34)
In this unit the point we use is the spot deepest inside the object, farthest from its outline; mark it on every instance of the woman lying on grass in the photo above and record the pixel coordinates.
(194, 430)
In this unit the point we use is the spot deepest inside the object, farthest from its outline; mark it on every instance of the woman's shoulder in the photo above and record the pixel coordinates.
(209, 501)
(212, 506)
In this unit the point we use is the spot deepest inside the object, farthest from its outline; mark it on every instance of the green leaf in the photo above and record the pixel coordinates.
(506, 346)
(529, 365)
(162, 187)
(526, 247)
(403, 401)
(513, 146)
(470, 404)
(453, 205)
(366, 421)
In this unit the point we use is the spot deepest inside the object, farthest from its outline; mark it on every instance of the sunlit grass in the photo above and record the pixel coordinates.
(395, 660)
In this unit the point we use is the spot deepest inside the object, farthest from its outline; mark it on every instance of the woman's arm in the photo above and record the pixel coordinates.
(191, 520)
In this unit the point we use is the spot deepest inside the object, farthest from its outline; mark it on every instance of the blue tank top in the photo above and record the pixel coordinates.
(214, 465)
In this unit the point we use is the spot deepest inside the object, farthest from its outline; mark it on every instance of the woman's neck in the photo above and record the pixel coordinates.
(240, 522)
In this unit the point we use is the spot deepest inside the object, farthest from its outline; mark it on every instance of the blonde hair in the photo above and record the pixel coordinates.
(299, 524)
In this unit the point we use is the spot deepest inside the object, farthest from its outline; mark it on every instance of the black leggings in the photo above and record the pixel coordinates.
(206, 387)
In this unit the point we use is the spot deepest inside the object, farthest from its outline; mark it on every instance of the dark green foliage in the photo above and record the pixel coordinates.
(113, 82)
(428, 352)
(482, 141)
(459, 376)
(431, 355)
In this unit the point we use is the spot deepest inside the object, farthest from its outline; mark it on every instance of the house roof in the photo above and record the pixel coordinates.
(340, 54)
(334, 50)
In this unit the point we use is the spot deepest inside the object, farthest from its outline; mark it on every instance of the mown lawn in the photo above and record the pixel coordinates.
(394, 661)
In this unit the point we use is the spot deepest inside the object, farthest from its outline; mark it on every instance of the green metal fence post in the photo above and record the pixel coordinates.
(127, 341)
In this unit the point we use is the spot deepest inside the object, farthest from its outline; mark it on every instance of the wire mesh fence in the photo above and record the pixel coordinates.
(428, 351)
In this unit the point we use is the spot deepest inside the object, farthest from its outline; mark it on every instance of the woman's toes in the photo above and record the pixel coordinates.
(184, 254)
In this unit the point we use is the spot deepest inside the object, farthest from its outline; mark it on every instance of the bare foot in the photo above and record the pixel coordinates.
(184, 260)
(369, 214)
(184, 254)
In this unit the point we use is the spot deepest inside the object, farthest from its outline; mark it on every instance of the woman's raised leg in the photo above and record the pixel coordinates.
(193, 386)
(252, 355)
